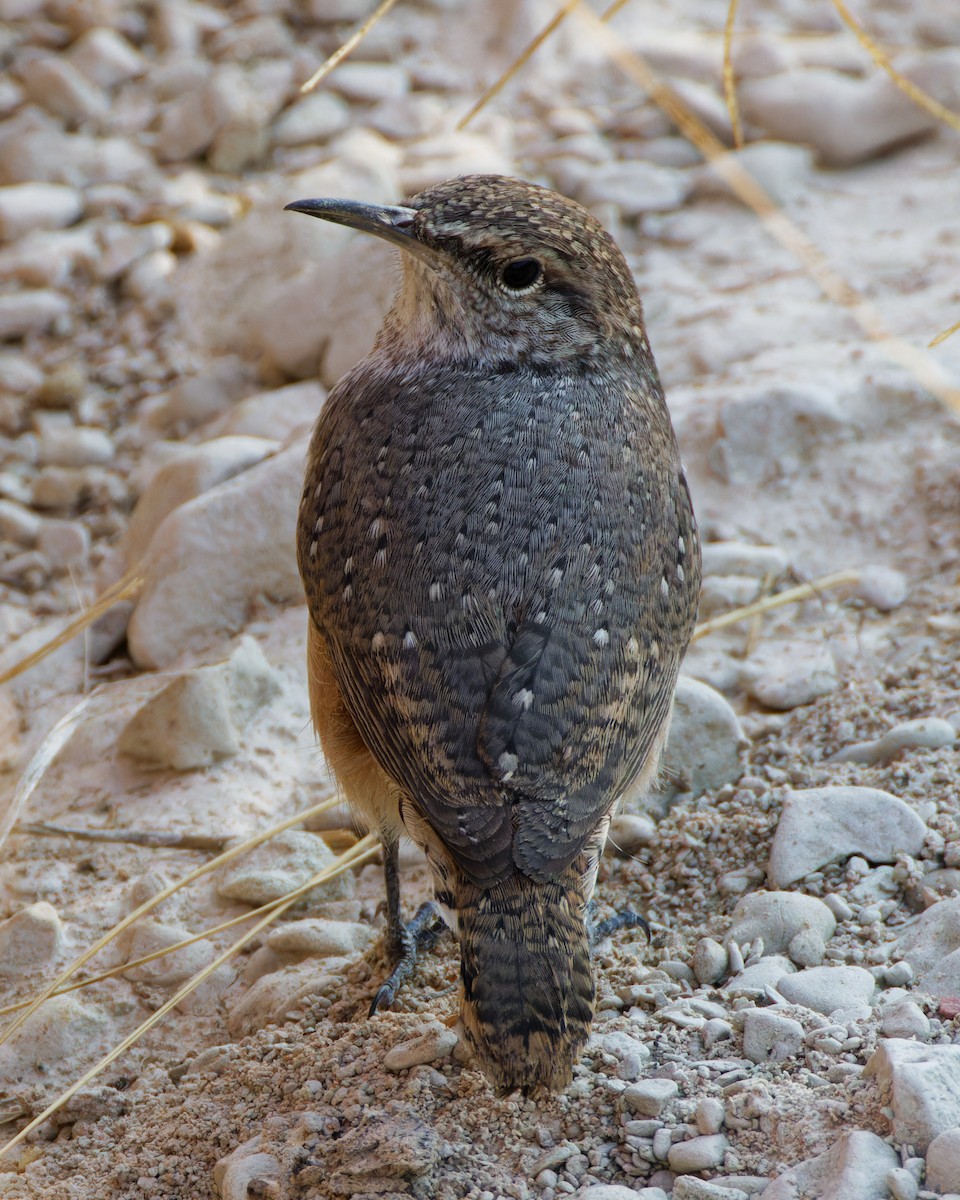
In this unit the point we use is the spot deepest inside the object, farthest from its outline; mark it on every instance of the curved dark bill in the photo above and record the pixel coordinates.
(388, 221)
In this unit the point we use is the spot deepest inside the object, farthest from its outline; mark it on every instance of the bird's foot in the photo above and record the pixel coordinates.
(417, 935)
(598, 930)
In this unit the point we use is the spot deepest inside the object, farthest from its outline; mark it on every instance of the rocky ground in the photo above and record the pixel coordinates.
(167, 335)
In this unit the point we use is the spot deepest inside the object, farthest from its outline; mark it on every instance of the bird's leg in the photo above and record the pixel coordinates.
(420, 934)
(396, 939)
(598, 930)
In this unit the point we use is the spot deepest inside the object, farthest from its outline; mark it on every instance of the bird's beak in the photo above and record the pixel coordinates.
(388, 221)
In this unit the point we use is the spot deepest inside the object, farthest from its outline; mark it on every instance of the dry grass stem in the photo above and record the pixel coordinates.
(348, 46)
(127, 837)
(880, 57)
(729, 82)
(149, 905)
(363, 850)
(746, 188)
(794, 595)
(942, 337)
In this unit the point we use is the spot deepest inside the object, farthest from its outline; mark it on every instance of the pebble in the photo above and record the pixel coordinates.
(313, 118)
(271, 415)
(687, 1188)
(926, 733)
(650, 1097)
(854, 1168)
(64, 445)
(902, 1184)
(370, 82)
(196, 719)
(782, 169)
(755, 980)
(106, 58)
(716, 1030)
(709, 1115)
(943, 1162)
(320, 937)
(63, 1030)
(901, 1017)
(704, 743)
(60, 88)
(827, 989)
(777, 917)
(434, 1043)
(743, 558)
(195, 471)
(797, 676)
(882, 587)
(822, 825)
(710, 961)
(922, 1084)
(214, 557)
(634, 188)
(25, 207)
(769, 1036)
(18, 523)
(614, 1191)
(30, 312)
(64, 544)
(698, 1154)
(246, 1171)
(146, 937)
(30, 941)
(629, 832)
(279, 866)
(50, 156)
(931, 945)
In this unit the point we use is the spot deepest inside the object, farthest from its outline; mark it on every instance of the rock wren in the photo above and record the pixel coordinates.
(502, 570)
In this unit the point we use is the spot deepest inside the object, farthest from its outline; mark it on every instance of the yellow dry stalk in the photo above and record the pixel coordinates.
(942, 337)
(928, 372)
(149, 905)
(361, 852)
(354, 40)
(794, 595)
(729, 81)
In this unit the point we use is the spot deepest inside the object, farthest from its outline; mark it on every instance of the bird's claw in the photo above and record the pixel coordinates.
(621, 920)
(419, 934)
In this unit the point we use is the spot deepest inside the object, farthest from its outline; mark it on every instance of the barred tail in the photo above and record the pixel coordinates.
(528, 990)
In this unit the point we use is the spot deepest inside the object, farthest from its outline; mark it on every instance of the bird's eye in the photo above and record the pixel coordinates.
(521, 274)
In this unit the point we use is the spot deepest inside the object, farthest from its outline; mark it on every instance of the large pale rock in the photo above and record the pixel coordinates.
(275, 414)
(64, 1035)
(932, 947)
(30, 941)
(704, 744)
(777, 918)
(922, 1084)
(215, 557)
(826, 989)
(854, 1168)
(829, 824)
(281, 865)
(943, 1162)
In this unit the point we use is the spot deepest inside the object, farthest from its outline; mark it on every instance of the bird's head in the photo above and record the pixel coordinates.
(501, 271)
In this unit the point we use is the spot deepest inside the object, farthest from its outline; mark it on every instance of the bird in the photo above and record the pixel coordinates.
(502, 569)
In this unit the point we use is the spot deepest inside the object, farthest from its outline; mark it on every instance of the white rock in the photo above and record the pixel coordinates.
(320, 937)
(649, 1097)
(313, 118)
(18, 523)
(436, 1042)
(273, 996)
(201, 397)
(25, 207)
(710, 961)
(901, 1017)
(30, 941)
(275, 414)
(246, 1171)
(615, 1191)
(369, 82)
(51, 156)
(214, 556)
(801, 675)
(829, 824)
(807, 948)
(63, 1034)
(783, 171)
(149, 276)
(943, 1162)
(106, 58)
(743, 558)
(770, 1037)
(902, 1184)
(64, 544)
(688, 1188)
(698, 1154)
(30, 312)
(629, 833)
(121, 246)
(754, 981)
(882, 587)
(196, 719)
(923, 1085)
(709, 1114)
(147, 937)
(635, 187)
(769, 433)
(777, 917)
(704, 743)
(64, 445)
(187, 476)
(279, 866)
(854, 1168)
(925, 733)
(826, 989)
(57, 85)
(932, 947)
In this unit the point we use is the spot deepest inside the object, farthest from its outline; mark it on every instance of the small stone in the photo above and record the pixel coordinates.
(923, 1085)
(783, 170)
(271, 415)
(635, 187)
(25, 207)
(312, 119)
(798, 678)
(703, 745)
(882, 587)
(777, 918)
(754, 981)
(838, 906)
(30, 312)
(435, 1043)
(106, 58)
(319, 936)
(710, 961)
(146, 937)
(943, 1162)
(807, 948)
(64, 1033)
(75, 446)
(698, 1154)
(370, 82)
(280, 866)
(742, 558)
(649, 1097)
(898, 974)
(629, 833)
(709, 1115)
(59, 87)
(716, 1030)
(902, 1017)
(18, 524)
(688, 1188)
(614, 1191)
(64, 544)
(826, 989)
(931, 946)
(770, 1037)
(247, 1171)
(823, 825)
(30, 941)
(927, 733)
(902, 1184)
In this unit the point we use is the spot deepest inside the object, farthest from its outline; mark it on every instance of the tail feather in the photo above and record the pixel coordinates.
(528, 990)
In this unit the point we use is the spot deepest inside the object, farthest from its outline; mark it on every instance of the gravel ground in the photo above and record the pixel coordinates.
(167, 335)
